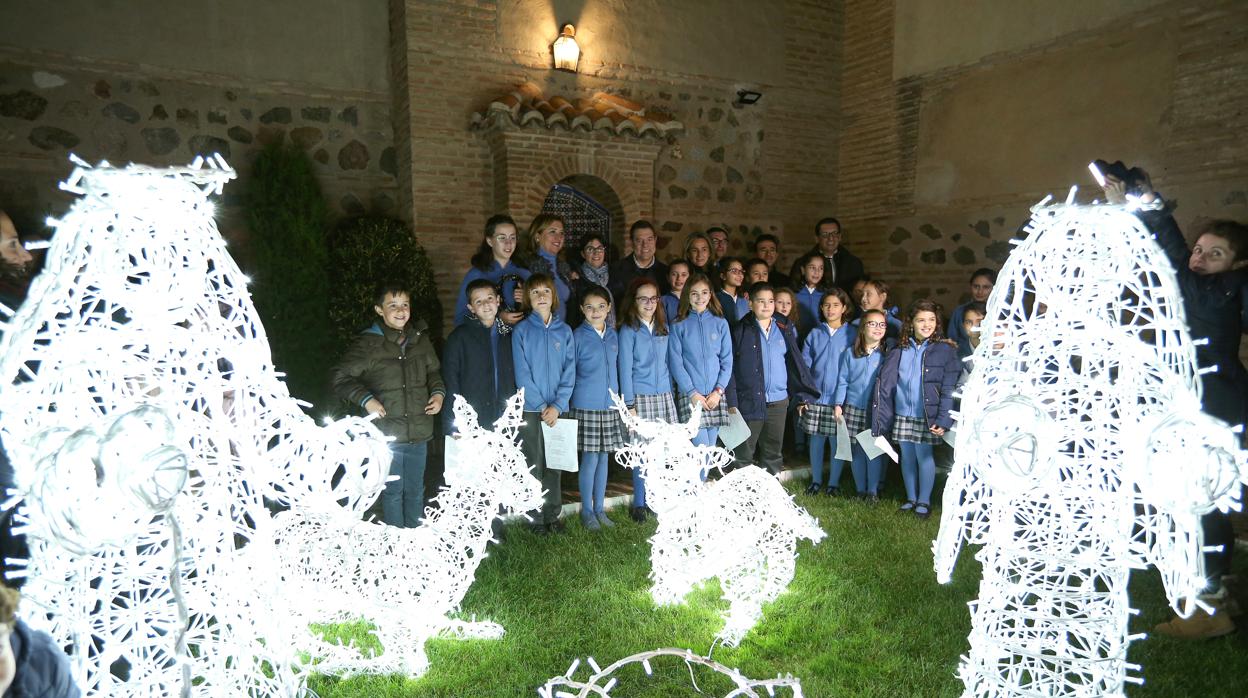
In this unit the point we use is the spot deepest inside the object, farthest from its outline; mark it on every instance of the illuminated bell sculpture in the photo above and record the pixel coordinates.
(742, 528)
(147, 428)
(1082, 453)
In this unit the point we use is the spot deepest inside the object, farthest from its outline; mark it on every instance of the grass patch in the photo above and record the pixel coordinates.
(864, 616)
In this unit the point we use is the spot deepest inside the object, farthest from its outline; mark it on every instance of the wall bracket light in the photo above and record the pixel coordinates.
(567, 52)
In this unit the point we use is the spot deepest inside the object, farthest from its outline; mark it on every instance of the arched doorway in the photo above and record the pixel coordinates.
(588, 205)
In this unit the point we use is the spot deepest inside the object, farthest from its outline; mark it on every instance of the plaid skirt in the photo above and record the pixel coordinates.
(856, 420)
(913, 430)
(598, 430)
(818, 419)
(656, 408)
(711, 419)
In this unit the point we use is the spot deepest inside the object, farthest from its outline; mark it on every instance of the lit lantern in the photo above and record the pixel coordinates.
(566, 50)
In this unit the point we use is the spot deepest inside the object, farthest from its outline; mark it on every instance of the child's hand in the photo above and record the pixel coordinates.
(1115, 190)
(434, 405)
(698, 399)
(939, 431)
(801, 409)
(550, 415)
(712, 400)
(840, 414)
(374, 406)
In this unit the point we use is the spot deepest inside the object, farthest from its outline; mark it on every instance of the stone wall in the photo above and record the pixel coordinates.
(765, 167)
(83, 81)
(939, 165)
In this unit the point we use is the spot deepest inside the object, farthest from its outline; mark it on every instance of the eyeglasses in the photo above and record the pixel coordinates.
(647, 300)
(830, 234)
(735, 270)
(595, 249)
(877, 325)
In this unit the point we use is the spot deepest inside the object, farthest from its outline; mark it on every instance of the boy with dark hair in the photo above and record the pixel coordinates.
(476, 361)
(767, 248)
(393, 372)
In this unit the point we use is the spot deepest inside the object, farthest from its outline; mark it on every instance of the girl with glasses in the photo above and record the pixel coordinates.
(855, 383)
(731, 297)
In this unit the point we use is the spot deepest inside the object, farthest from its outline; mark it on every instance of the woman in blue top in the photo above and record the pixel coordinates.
(731, 296)
(493, 262)
(645, 381)
(855, 381)
(545, 240)
(699, 355)
(599, 429)
(822, 351)
(544, 354)
(913, 397)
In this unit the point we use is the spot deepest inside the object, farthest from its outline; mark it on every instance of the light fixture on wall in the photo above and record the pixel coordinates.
(745, 97)
(566, 50)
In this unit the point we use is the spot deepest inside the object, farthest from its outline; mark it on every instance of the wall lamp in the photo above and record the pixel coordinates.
(567, 52)
(745, 97)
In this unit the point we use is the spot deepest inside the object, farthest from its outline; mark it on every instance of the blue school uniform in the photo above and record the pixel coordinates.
(494, 276)
(643, 363)
(544, 357)
(597, 368)
(808, 300)
(699, 351)
(822, 350)
(855, 386)
(734, 308)
(671, 304)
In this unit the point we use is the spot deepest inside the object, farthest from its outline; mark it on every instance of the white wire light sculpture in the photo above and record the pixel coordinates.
(1082, 453)
(406, 581)
(742, 528)
(601, 680)
(150, 433)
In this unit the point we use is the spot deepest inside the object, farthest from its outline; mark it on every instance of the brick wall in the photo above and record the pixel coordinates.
(937, 170)
(766, 167)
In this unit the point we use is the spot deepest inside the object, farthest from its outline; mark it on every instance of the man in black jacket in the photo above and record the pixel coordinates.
(841, 268)
(641, 262)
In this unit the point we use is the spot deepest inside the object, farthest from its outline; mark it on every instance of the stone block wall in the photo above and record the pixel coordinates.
(941, 159)
(50, 107)
(766, 167)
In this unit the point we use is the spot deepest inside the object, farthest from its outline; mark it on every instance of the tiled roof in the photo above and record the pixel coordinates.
(527, 105)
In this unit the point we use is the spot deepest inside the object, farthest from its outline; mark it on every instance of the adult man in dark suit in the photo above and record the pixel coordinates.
(841, 267)
(641, 262)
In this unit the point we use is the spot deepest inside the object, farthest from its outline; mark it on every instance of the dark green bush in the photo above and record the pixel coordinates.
(287, 219)
(364, 252)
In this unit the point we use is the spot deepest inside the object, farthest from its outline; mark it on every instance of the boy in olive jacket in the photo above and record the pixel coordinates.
(392, 371)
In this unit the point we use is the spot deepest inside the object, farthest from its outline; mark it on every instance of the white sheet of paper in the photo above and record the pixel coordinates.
(560, 441)
(736, 432)
(951, 438)
(843, 451)
(867, 442)
(450, 456)
(886, 447)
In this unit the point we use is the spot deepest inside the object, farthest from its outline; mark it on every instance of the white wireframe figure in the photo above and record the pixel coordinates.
(407, 581)
(1082, 453)
(742, 528)
(147, 428)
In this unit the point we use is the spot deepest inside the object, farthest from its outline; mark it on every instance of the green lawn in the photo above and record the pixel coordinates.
(863, 617)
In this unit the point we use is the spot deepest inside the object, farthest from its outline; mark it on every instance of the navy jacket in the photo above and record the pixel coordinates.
(472, 369)
(42, 669)
(1216, 307)
(747, 389)
(941, 369)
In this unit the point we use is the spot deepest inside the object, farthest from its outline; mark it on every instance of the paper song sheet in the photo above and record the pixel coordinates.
(843, 451)
(736, 432)
(560, 442)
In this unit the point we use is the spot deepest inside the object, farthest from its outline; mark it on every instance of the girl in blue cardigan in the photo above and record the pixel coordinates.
(544, 355)
(699, 354)
(913, 397)
(810, 290)
(645, 381)
(677, 275)
(822, 350)
(599, 429)
(855, 381)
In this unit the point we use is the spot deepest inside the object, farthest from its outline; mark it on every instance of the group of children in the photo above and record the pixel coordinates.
(733, 344)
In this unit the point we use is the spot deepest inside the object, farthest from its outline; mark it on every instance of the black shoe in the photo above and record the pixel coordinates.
(832, 492)
(814, 488)
(638, 514)
(556, 527)
(922, 511)
(907, 507)
(538, 530)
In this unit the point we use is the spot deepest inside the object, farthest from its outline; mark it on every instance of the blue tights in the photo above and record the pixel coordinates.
(916, 459)
(818, 444)
(868, 470)
(593, 481)
(706, 437)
